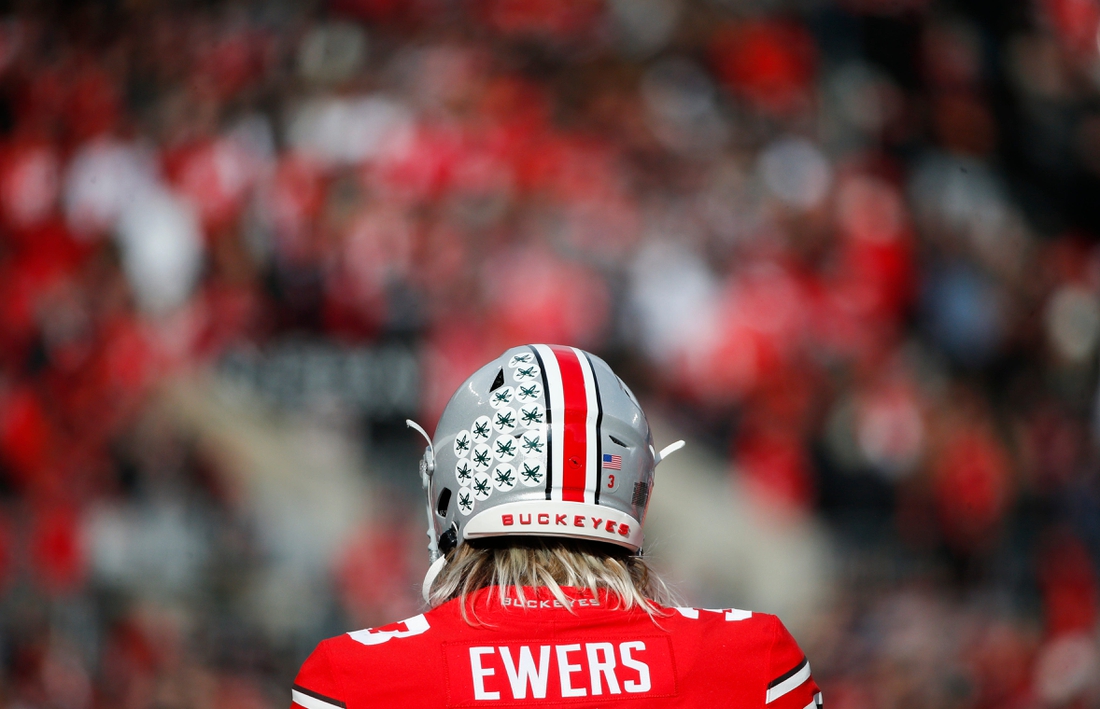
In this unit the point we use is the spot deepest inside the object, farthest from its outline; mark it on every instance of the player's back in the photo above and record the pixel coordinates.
(533, 651)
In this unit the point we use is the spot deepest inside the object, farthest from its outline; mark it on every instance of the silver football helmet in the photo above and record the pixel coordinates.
(544, 441)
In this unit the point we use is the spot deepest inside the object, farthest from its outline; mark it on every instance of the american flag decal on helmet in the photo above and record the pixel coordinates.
(612, 462)
(574, 415)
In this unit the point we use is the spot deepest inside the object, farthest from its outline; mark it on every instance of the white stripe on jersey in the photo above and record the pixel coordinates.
(308, 702)
(791, 683)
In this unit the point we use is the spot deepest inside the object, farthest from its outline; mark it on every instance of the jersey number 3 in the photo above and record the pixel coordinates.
(402, 629)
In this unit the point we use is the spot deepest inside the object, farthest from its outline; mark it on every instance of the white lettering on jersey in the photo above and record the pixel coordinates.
(549, 603)
(642, 685)
(730, 613)
(527, 673)
(565, 669)
(403, 629)
(480, 673)
(605, 667)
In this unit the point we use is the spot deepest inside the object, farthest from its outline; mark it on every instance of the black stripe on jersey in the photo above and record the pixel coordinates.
(787, 675)
(549, 434)
(318, 695)
(599, 431)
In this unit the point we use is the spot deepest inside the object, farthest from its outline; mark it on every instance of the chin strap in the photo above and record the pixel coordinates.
(667, 451)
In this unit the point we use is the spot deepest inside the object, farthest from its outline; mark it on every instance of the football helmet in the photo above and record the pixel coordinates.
(544, 441)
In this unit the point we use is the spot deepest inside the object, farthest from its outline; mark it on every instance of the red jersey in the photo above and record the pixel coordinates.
(536, 652)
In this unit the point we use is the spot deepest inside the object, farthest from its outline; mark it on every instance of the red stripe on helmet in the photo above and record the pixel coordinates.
(575, 425)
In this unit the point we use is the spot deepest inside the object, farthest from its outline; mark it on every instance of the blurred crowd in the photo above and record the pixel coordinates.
(850, 244)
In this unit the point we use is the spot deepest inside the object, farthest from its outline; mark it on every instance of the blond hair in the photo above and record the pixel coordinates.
(541, 562)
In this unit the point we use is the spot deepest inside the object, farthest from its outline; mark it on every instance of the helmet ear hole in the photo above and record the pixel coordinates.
(448, 540)
(444, 502)
(499, 381)
(617, 442)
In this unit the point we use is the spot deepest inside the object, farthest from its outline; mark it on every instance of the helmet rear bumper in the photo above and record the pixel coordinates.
(555, 518)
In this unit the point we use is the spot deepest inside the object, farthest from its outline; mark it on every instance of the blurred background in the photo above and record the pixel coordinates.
(846, 248)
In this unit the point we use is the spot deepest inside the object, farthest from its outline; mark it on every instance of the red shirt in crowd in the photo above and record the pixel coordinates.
(538, 652)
